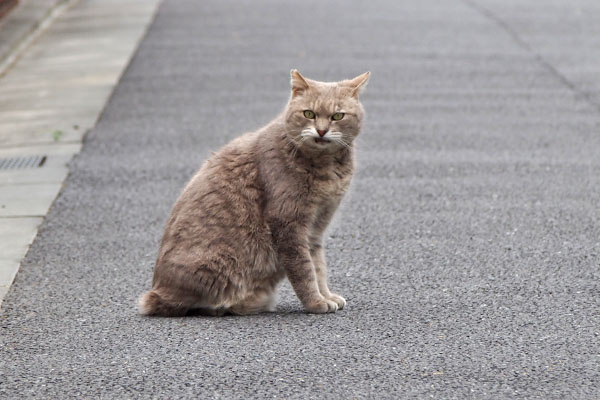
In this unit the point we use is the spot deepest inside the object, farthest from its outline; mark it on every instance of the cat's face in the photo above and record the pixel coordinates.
(324, 116)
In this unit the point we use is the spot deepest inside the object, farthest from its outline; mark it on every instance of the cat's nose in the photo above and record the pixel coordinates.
(321, 132)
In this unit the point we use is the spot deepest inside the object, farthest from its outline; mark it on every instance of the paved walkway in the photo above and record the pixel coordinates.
(468, 250)
(59, 62)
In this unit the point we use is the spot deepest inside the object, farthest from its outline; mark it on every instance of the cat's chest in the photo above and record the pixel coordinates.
(329, 184)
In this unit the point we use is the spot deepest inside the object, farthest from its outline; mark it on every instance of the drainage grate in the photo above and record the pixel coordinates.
(22, 162)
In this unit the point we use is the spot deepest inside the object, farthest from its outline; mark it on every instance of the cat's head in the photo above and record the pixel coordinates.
(324, 116)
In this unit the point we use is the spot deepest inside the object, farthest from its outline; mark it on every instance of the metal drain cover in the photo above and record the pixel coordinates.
(22, 162)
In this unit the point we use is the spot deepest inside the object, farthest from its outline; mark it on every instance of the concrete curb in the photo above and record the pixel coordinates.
(56, 83)
(20, 23)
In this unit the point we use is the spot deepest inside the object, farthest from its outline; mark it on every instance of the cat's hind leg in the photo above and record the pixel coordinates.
(261, 300)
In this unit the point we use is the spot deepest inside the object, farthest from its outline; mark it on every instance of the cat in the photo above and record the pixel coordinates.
(256, 210)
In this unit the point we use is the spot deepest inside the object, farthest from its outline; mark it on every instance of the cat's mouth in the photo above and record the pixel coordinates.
(321, 140)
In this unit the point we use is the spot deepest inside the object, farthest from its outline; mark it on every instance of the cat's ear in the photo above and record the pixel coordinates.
(299, 84)
(359, 83)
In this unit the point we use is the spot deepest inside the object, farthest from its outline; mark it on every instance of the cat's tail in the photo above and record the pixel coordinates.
(151, 303)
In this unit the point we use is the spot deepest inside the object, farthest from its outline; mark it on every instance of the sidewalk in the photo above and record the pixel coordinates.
(20, 24)
(60, 61)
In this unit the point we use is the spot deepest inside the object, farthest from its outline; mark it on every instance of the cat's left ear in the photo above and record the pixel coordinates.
(359, 83)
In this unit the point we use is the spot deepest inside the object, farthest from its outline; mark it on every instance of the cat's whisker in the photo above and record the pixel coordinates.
(343, 139)
(291, 141)
(342, 142)
(308, 133)
(297, 146)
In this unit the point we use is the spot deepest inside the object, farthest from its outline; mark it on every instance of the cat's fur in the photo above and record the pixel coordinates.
(257, 209)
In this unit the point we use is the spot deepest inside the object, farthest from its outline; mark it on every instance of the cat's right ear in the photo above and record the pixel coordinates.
(299, 84)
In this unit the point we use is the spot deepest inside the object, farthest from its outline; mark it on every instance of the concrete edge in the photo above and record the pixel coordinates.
(23, 24)
(10, 66)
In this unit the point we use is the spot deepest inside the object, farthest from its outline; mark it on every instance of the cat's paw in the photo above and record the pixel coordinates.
(337, 299)
(321, 306)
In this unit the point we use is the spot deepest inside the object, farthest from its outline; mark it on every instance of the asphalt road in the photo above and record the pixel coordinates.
(468, 249)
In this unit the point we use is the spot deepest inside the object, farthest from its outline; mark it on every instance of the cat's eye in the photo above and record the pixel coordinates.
(337, 116)
(309, 114)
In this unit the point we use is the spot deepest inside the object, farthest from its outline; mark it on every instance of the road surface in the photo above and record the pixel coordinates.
(468, 248)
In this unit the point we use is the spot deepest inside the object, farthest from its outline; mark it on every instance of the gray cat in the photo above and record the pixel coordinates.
(257, 209)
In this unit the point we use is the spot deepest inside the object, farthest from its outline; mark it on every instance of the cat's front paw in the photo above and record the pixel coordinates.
(337, 299)
(321, 306)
